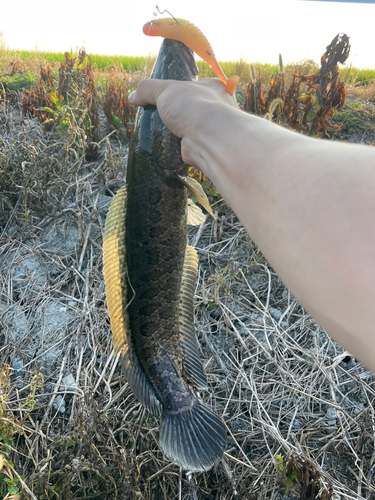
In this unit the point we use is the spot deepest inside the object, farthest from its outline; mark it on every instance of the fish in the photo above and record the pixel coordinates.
(150, 277)
(192, 37)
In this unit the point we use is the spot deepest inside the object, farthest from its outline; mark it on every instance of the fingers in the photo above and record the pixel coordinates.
(216, 90)
(147, 92)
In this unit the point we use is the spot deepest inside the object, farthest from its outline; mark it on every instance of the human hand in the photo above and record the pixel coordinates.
(183, 106)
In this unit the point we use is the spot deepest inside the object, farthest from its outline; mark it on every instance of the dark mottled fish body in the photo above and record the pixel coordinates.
(150, 277)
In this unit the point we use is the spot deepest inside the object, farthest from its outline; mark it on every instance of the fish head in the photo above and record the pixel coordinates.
(153, 143)
(175, 61)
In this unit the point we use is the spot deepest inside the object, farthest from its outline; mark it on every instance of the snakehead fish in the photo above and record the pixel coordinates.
(150, 275)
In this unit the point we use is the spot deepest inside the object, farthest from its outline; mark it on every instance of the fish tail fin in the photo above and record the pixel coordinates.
(194, 437)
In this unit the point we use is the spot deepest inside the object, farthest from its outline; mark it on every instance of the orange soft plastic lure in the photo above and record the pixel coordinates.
(192, 37)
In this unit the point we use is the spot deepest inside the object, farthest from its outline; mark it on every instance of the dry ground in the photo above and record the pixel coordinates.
(280, 383)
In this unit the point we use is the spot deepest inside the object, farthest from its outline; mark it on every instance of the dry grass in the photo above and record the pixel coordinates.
(285, 377)
(280, 383)
(362, 92)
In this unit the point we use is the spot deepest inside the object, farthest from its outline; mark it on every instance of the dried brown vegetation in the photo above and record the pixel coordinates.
(74, 99)
(310, 101)
(280, 383)
(38, 97)
(282, 386)
(116, 106)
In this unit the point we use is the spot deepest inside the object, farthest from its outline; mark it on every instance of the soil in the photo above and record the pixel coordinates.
(74, 430)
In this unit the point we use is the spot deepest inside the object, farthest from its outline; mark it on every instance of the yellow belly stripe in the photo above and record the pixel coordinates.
(115, 270)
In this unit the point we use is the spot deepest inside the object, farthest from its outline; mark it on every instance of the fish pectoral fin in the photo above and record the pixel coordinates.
(189, 345)
(115, 277)
(195, 216)
(193, 437)
(196, 190)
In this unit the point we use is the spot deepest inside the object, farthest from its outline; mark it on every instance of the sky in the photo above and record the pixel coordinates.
(255, 30)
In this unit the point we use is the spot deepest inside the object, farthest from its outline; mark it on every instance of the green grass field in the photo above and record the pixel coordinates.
(32, 60)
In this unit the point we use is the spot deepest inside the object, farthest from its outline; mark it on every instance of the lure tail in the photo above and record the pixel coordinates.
(194, 437)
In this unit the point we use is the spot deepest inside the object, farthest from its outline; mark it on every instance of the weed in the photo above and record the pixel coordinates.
(310, 100)
(264, 375)
(357, 77)
(76, 84)
(18, 81)
(37, 102)
(71, 106)
(356, 116)
(287, 475)
(255, 101)
(36, 383)
(205, 182)
(299, 477)
(221, 282)
(10, 425)
(116, 107)
(8, 483)
(8, 422)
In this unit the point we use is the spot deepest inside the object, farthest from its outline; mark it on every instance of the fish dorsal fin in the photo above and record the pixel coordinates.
(189, 345)
(195, 216)
(196, 189)
(115, 278)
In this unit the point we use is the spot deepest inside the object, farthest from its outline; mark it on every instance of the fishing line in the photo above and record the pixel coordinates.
(162, 12)
(156, 12)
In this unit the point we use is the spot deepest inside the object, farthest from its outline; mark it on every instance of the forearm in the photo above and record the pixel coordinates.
(308, 204)
(310, 207)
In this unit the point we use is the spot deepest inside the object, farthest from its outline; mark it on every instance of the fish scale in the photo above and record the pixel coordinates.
(150, 276)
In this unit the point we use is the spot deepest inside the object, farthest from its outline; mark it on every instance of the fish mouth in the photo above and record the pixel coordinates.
(175, 61)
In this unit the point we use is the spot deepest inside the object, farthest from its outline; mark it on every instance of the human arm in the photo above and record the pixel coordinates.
(308, 204)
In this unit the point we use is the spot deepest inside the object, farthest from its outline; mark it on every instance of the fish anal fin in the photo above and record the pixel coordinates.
(139, 384)
(115, 277)
(189, 346)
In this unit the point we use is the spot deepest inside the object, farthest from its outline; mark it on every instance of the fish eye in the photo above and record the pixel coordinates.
(168, 58)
